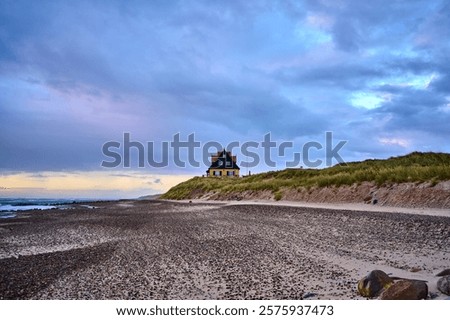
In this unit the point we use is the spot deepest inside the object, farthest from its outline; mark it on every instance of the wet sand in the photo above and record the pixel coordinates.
(176, 250)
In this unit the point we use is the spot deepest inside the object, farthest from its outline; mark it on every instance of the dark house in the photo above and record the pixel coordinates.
(223, 164)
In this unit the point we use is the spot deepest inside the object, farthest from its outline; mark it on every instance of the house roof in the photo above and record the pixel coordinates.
(224, 161)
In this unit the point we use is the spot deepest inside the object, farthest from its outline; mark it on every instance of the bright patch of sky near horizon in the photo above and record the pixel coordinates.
(91, 185)
(74, 75)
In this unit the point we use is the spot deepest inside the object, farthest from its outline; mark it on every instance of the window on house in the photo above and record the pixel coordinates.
(217, 173)
(230, 173)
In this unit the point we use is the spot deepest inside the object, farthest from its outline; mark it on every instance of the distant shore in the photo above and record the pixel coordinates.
(150, 249)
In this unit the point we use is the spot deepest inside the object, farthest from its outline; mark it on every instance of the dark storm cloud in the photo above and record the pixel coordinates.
(416, 109)
(346, 75)
(346, 36)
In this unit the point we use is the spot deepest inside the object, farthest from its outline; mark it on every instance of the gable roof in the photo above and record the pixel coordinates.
(224, 161)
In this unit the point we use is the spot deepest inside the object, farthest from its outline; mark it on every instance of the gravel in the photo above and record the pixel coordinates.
(169, 250)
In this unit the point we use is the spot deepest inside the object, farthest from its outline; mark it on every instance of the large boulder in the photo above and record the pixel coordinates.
(371, 285)
(445, 272)
(443, 285)
(406, 290)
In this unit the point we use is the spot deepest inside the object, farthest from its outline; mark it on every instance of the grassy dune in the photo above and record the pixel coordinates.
(415, 167)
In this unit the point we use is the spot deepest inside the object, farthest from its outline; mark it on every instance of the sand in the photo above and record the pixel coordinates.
(216, 250)
(335, 206)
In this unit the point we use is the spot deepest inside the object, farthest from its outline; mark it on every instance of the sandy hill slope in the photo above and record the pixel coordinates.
(414, 180)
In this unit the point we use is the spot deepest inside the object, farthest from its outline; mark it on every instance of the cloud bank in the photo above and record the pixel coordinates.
(74, 75)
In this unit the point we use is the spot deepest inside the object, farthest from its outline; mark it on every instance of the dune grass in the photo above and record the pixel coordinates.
(415, 167)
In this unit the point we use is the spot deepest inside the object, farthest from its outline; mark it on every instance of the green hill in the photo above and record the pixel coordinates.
(416, 167)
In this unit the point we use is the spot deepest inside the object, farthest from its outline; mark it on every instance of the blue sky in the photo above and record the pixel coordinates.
(76, 74)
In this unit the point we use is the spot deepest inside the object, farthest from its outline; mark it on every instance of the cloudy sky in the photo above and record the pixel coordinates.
(77, 74)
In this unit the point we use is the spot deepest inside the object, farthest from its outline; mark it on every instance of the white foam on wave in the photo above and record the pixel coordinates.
(8, 207)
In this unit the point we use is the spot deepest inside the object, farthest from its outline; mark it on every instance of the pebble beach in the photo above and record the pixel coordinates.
(214, 250)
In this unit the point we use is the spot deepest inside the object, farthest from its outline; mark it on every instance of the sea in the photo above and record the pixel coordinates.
(10, 206)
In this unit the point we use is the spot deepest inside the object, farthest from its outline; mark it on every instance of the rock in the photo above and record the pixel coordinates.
(308, 295)
(446, 272)
(415, 269)
(372, 284)
(406, 290)
(443, 285)
(433, 295)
